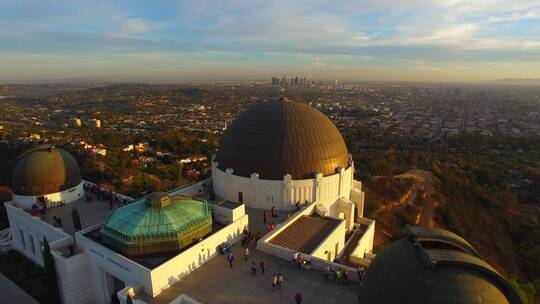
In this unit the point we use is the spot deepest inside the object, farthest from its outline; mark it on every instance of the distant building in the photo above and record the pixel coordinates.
(75, 122)
(94, 123)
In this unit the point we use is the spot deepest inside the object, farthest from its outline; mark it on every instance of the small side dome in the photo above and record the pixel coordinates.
(44, 170)
(433, 266)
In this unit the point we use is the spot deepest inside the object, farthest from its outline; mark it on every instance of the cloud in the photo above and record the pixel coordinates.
(318, 34)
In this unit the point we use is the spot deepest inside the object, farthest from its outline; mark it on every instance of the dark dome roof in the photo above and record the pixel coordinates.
(276, 138)
(433, 266)
(43, 170)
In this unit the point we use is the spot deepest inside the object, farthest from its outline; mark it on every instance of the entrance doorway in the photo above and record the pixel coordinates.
(240, 197)
(114, 285)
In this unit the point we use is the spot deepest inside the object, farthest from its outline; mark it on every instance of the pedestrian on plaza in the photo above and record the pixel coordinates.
(253, 268)
(298, 297)
(246, 254)
(279, 280)
(329, 272)
(60, 224)
(55, 221)
(299, 261)
(265, 216)
(345, 277)
(274, 282)
(360, 272)
(274, 211)
(230, 258)
(295, 257)
(263, 266)
(337, 276)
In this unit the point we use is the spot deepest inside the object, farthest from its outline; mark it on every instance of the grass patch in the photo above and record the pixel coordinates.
(26, 274)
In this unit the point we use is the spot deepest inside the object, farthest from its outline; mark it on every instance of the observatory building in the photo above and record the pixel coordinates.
(46, 175)
(433, 266)
(282, 153)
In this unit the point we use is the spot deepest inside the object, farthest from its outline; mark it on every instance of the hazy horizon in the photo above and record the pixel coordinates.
(385, 40)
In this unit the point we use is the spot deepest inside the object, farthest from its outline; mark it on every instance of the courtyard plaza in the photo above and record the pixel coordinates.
(92, 211)
(216, 282)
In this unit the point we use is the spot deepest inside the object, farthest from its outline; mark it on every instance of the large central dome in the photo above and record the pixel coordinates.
(276, 138)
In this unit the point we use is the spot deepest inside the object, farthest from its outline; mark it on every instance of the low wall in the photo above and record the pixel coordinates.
(23, 225)
(316, 263)
(333, 244)
(365, 244)
(178, 267)
(192, 188)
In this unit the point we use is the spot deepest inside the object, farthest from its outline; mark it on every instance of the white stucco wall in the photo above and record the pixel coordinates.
(74, 280)
(66, 196)
(103, 260)
(365, 244)
(332, 245)
(33, 229)
(283, 194)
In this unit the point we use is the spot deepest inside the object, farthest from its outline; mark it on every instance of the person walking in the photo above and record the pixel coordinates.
(338, 276)
(329, 272)
(274, 211)
(265, 217)
(246, 254)
(230, 258)
(274, 282)
(253, 268)
(263, 266)
(345, 277)
(298, 297)
(279, 280)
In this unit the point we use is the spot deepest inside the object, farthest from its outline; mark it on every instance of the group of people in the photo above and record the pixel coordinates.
(250, 239)
(57, 222)
(106, 195)
(299, 206)
(277, 281)
(340, 275)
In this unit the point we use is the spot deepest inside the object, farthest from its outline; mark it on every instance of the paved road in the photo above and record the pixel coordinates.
(13, 293)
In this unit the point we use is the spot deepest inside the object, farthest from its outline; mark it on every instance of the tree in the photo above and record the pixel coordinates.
(50, 273)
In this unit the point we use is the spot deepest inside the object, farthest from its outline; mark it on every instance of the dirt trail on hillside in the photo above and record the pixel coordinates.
(425, 181)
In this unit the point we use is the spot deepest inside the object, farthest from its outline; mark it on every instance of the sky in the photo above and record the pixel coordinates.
(161, 40)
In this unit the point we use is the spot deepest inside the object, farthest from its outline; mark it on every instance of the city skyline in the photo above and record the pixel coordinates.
(450, 40)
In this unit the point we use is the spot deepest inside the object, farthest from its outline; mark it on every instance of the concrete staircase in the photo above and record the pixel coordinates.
(5, 240)
(305, 234)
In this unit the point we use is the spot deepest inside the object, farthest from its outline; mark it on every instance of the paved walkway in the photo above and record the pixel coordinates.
(216, 282)
(11, 293)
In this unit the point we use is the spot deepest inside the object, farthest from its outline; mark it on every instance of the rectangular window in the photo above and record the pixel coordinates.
(31, 239)
(22, 238)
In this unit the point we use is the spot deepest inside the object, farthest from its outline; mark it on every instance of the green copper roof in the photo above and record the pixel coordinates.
(156, 220)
